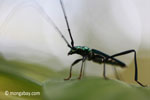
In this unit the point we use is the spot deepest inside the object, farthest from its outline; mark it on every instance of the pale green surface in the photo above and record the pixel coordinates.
(94, 89)
(17, 76)
(21, 76)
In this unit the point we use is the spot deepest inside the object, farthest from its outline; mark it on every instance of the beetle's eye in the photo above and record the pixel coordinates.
(72, 50)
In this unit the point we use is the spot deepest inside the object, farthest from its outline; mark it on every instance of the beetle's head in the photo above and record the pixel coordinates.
(73, 50)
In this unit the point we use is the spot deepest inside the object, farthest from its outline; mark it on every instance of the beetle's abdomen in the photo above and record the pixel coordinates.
(101, 59)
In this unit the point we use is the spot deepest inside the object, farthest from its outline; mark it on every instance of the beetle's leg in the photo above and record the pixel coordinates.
(104, 71)
(70, 74)
(84, 69)
(116, 73)
(135, 62)
(83, 61)
(114, 69)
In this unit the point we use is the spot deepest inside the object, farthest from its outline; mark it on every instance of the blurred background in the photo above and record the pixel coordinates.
(26, 33)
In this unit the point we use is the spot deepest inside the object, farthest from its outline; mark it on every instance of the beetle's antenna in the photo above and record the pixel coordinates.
(48, 18)
(63, 9)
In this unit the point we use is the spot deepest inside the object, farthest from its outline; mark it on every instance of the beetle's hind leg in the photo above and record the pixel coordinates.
(135, 63)
(117, 75)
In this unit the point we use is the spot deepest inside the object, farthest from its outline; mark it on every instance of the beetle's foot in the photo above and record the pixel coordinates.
(106, 78)
(67, 78)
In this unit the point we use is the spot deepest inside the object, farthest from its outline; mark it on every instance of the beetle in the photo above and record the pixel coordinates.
(91, 54)
(95, 55)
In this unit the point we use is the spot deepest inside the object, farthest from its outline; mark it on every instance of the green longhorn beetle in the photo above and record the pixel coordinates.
(92, 54)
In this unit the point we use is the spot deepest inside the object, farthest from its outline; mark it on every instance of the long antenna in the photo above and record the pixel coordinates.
(62, 5)
(48, 18)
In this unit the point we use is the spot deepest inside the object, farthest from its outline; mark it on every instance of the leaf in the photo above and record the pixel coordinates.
(23, 76)
(18, 76)
(94, 89)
